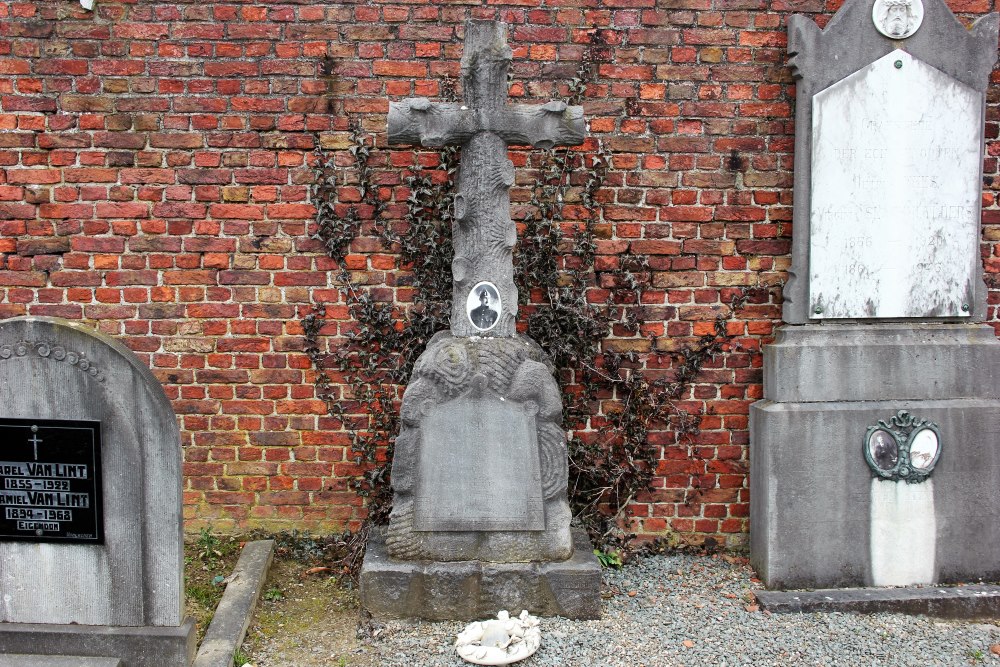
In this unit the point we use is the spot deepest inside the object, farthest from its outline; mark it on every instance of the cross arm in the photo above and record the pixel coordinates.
(420, 121)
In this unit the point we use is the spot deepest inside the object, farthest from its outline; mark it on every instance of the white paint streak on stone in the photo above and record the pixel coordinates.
(903, 533)
(897, 156)
(87, 4)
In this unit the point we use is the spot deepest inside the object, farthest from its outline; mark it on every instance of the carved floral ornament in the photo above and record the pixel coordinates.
(54, 352)
(904, 448)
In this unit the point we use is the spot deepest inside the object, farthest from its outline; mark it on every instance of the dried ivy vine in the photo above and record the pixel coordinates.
(611, 403)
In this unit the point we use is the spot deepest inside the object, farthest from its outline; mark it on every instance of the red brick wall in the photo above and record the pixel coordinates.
(154, 178)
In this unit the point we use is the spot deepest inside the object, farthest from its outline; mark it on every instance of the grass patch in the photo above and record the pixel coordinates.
(208, 560)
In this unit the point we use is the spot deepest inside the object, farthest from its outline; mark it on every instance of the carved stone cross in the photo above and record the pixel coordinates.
(483, 234)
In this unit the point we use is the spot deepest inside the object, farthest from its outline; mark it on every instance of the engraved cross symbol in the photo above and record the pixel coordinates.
(34, 440)
(483, 234)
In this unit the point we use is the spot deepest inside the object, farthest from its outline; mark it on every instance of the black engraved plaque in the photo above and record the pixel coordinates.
(50, 481)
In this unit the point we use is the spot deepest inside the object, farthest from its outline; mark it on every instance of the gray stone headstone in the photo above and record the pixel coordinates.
(878, 436)
(57, 370)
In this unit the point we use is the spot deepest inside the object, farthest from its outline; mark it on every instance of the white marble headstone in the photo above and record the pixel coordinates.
(897, 153)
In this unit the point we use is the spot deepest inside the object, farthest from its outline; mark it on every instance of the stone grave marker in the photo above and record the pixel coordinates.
(91, 549)
(480, 518)
(875, 454)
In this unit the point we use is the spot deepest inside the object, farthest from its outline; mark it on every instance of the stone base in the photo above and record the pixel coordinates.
(469, 590)
(22, 660)
(150, 646)
(965, 602)
(817, 514)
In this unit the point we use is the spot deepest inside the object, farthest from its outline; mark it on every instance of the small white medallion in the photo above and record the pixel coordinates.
(897, 19)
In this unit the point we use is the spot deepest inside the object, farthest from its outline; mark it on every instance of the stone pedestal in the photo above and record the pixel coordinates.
(816, 511)
(437, 591)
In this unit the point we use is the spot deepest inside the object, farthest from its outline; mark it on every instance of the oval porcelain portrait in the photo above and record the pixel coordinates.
(924, 449)
(883, 449)
(483, 306)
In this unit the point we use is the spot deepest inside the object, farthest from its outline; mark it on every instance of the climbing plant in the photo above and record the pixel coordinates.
(611, 403)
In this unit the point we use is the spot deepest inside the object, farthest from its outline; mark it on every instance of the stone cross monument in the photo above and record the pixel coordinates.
(480, 518)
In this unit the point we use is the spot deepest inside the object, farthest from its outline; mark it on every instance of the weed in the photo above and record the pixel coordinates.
(240, 658)
(611, 559)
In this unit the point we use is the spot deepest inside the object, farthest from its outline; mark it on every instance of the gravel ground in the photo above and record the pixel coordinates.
(695, 610)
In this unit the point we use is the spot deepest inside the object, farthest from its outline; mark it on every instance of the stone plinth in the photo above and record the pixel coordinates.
(815, 508)
(437, 591)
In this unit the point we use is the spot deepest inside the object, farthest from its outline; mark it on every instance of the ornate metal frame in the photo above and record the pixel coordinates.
(903, 427)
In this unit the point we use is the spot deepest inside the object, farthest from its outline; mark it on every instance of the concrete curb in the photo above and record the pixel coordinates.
(966, 602)
(229, 625)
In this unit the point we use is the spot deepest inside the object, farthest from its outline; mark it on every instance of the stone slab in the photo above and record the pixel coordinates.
(811, 493)
(863, 362)
(896, 162)
(149, 646)
(959, 602)
(22, 660)
(232, 616)
(478, 468)
(467, 590)
(849, 42)
(493, 491)
(61, 370)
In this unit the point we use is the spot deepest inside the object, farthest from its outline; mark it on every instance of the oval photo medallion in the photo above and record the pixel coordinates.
(883, 449)
(924, 449)
(483, 306)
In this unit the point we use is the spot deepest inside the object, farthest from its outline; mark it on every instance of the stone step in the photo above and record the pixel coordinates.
(973, 601)
(22, 660)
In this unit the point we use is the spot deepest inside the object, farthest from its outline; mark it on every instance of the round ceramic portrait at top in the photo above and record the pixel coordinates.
(897, 19)
(883, 449)
(483, 306)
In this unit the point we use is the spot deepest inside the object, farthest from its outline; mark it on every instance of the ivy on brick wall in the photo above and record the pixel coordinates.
(612, 402)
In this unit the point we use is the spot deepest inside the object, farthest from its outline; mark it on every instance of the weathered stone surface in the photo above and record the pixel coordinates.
(849, 43)
(480, 516)
(22, 660)
(232, 617)
(133, 646)
(54, 369)
(478, 467)
(479, 470)
(880, 244)
(471, 589)
(872, 363)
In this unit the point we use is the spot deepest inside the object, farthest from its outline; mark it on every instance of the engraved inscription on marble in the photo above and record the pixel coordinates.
(895, 193)
(479, 467)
